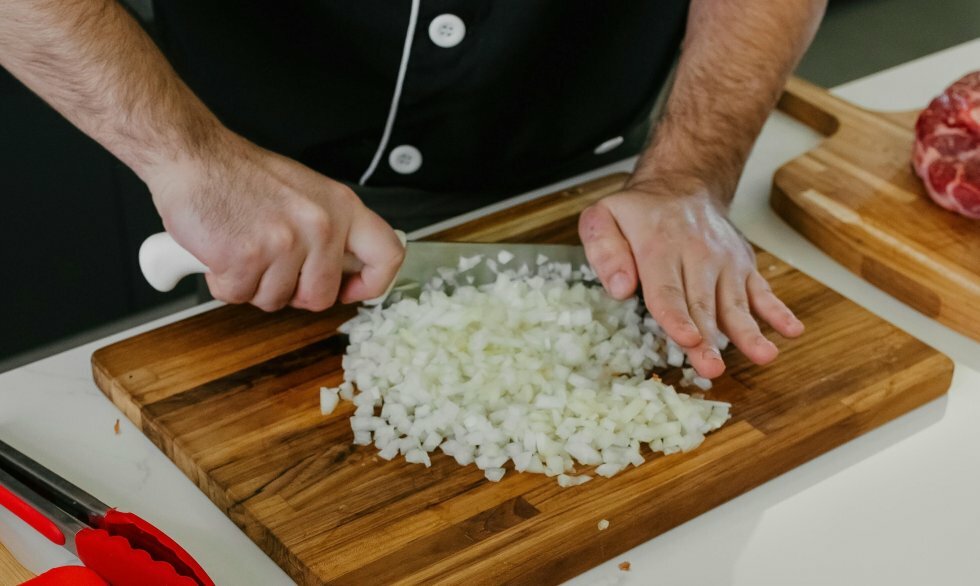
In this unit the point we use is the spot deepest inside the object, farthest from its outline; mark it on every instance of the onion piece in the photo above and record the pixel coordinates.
(328, 400)
(566, 481)
(494, 474)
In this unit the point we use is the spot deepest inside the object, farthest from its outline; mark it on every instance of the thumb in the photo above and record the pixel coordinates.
(608, 251)
(381, 252)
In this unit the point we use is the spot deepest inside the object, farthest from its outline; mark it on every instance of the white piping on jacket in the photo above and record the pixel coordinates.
(406, 51)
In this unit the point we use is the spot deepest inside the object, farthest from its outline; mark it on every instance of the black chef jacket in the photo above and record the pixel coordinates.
(497, 97)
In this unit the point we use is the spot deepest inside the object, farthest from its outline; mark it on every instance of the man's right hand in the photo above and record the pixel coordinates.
(272, 231)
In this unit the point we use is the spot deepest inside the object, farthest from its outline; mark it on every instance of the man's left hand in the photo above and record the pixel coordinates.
(698, 274)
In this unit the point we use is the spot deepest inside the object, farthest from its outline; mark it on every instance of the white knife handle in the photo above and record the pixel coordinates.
(164, 263)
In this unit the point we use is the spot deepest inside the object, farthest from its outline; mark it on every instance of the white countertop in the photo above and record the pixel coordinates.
(899, 505)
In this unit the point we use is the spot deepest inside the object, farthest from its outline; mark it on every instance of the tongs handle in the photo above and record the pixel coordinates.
(38, 512)
(63, 494)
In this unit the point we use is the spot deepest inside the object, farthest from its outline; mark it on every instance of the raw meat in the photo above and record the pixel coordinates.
(947, 147)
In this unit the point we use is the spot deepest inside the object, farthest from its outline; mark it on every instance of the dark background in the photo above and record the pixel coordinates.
(73, 217)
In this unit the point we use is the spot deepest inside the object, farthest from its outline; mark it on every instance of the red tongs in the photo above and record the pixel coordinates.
(120, 547)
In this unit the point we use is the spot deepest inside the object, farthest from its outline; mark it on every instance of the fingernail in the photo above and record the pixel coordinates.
(763, 341)
(710, 354)
(690, 328)
(620, 284)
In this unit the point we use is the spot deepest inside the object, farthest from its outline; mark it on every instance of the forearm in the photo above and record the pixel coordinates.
(94, 64)
(735, 59)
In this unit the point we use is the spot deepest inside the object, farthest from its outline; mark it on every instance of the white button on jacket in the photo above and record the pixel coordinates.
(447, 30)
(405, 159)
(608, 145)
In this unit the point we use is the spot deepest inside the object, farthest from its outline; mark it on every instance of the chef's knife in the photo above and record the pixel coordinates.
(164, 263)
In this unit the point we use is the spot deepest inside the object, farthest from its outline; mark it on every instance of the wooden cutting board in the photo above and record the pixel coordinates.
(857, 198)
(232, 396)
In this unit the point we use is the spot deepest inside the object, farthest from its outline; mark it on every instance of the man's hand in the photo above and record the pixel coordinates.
(271, 231)
(668, 230)
(698, 274)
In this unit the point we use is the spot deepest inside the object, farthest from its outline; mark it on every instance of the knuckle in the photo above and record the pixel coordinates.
(301, 301)
(282, 239)
(220, 260)
(235, 296)
(768, 308)
(318, 223)
(671, 317)
(249, 253)
(343, 190)
(263, 305)
(221, 291)
(769, 298)
(313, 300)
(310, 305)
(396, 259)
(270, 305)
(669, 292)
(746, 333)
(603, 255)
(322, 305)
(371, 291)
(273, 298)
(703, 306)
(738, 304)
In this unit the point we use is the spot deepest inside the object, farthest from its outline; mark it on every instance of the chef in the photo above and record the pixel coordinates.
(273, 138)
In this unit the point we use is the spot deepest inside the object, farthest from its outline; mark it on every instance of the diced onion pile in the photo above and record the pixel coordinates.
(540, 368)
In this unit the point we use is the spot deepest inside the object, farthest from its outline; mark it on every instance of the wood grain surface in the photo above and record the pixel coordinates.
(11, 571)
(857, 198)
(231, 396)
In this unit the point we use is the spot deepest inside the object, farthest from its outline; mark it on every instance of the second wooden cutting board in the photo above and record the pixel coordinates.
(231, 396)
(857, 198)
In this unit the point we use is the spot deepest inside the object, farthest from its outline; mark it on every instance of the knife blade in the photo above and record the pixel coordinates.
(423, 259)
(164, 262)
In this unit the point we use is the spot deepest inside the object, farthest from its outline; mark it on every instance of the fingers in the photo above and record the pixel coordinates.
(737, 321)
(663, 292)
(297, 278)
(236, 287)
(301, 265)
(278, 285)
(239, 282)
(767, 306)
(700, 283)
(319, 281)
(319, 278)
(377, 246)
(608, 251)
